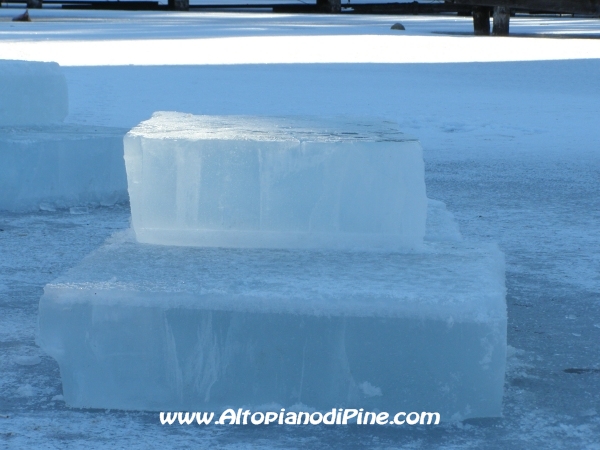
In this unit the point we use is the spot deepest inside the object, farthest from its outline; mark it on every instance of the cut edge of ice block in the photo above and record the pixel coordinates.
(275, 182)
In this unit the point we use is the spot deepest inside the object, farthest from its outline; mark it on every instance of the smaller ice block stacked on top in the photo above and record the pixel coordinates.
(417, 325)
(43, 162)
(274, 183)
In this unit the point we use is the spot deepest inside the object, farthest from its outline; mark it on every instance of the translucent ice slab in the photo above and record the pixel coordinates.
(226, 181)
(61, 166)
(138, 326)
(32, 93)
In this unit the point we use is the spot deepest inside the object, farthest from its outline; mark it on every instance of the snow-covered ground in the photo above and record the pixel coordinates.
(509, 128)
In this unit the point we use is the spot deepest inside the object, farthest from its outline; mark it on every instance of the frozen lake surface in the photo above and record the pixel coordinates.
(509, 128)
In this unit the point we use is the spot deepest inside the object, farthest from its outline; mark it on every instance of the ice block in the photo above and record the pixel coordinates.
(266, 182)
(59, 166)
(154, 327)
(32, 93)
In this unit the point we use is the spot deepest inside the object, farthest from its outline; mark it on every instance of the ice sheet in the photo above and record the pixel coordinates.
(260, 182)
(32, 93)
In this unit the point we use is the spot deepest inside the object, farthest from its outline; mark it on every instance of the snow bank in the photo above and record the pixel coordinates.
(275, 183)
(32, 93)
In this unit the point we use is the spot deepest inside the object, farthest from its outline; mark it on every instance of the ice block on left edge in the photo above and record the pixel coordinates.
(61, 166)
(32, 93)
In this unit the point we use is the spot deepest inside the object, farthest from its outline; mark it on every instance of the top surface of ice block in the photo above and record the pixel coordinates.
(32, 93)
(445, 280)
(174, 125)
(263, 182)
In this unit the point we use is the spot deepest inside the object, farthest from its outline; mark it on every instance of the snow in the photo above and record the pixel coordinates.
(61, 166)
(32, 93)
(511, 147)
(148, 327)
(275, 182)
(241, 38)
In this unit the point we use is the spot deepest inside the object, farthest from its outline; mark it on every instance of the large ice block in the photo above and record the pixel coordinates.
(227, 181)
(61, 166)
(32, 93)
(138, 326)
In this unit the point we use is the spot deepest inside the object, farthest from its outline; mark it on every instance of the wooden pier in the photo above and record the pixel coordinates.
(500, 11)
